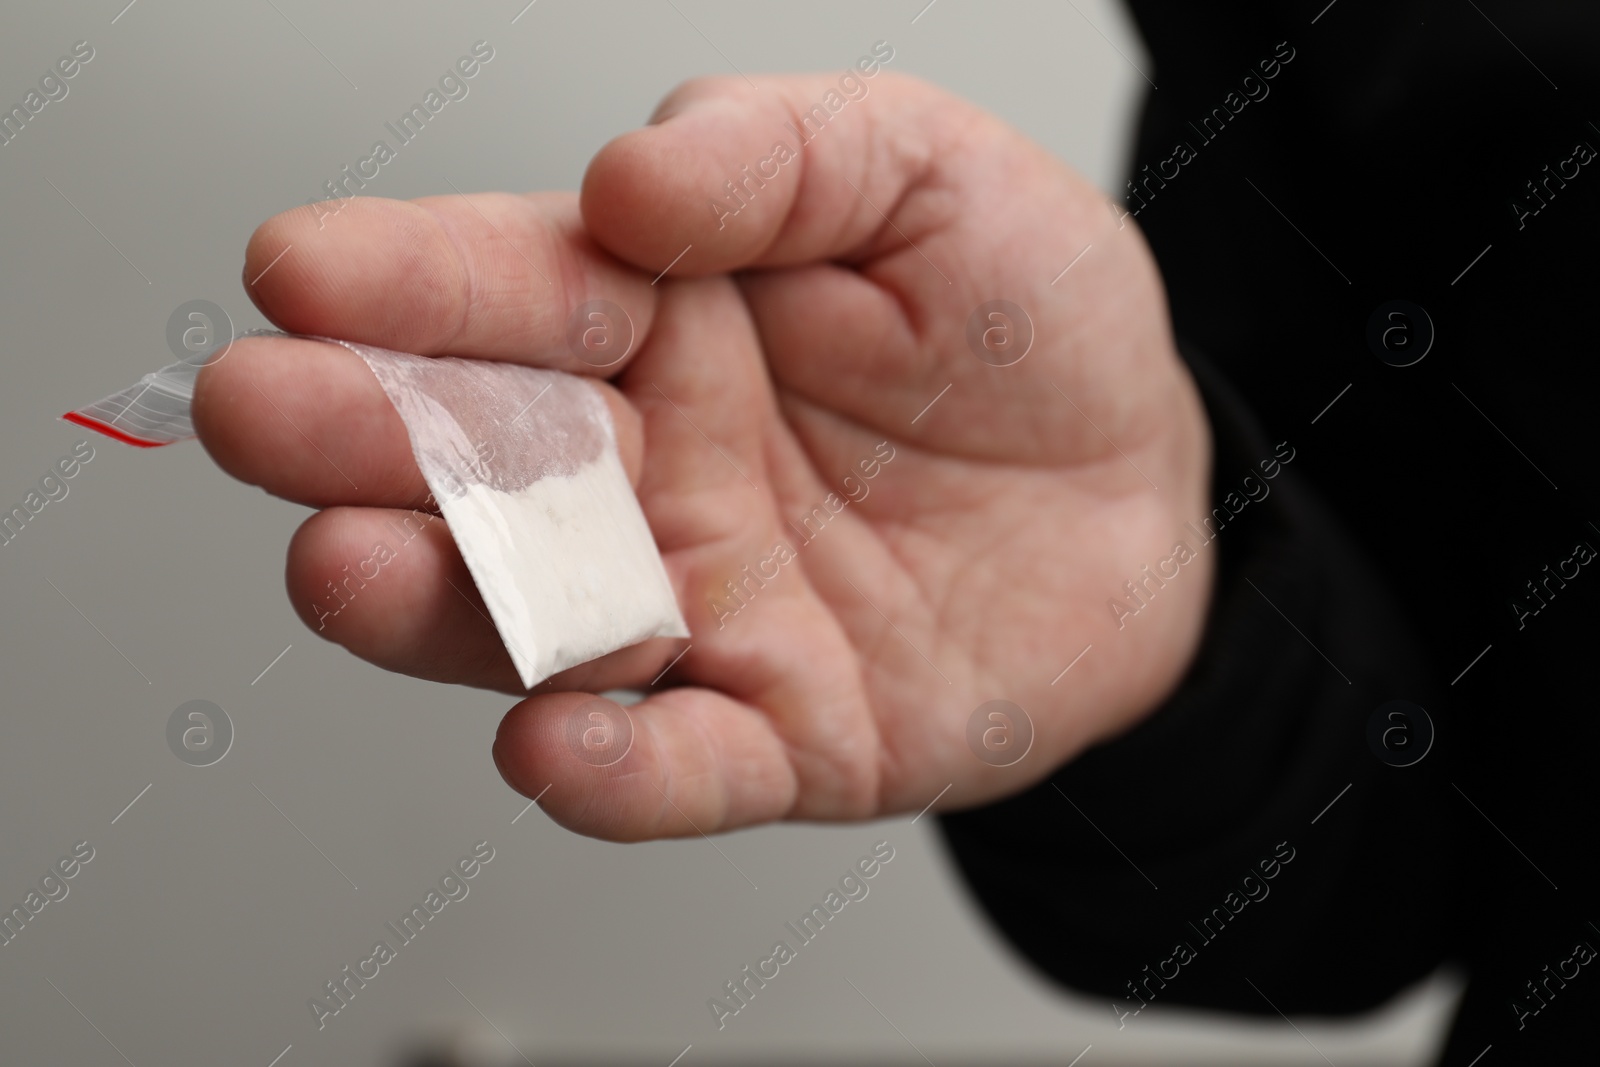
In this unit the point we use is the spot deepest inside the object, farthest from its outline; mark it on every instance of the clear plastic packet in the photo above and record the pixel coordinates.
(154, 410)
(523, 465)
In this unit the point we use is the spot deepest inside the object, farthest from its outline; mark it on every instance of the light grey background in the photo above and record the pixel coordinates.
(207, 917)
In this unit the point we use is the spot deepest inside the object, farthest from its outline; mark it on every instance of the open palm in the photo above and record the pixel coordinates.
(860, 570)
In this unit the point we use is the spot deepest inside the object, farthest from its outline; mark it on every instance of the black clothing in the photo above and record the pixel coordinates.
(1432, 541)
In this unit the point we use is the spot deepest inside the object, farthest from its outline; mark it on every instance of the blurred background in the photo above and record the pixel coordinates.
(220, 899)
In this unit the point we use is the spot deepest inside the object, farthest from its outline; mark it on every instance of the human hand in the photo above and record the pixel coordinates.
(789, 347)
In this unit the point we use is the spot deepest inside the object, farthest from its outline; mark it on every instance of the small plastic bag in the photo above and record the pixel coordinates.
(523, 465)
(154, 410)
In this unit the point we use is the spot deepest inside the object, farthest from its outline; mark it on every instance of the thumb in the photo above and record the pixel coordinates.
(781, 171)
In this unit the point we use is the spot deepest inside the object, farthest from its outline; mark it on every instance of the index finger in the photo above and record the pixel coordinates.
(487, 276)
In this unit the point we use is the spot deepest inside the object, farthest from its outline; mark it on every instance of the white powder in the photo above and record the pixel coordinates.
(559, 566)
(524, 466)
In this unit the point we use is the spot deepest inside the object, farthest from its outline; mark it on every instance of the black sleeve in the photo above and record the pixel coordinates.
(1246, 828)
(1300, 168)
